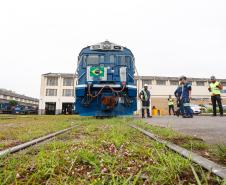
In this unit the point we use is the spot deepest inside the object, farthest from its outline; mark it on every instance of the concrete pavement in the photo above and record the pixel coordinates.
(210, 129)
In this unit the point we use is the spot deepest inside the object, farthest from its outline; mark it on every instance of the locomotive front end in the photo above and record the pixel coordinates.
(105, 81)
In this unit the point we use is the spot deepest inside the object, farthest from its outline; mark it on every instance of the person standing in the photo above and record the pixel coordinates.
(145, 97)
(215, 89)
(171, 105)
(177, 94)
(186, 97)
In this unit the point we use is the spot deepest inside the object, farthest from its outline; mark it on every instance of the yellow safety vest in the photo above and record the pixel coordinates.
(214, 89)
(170, 101)
(144, 94)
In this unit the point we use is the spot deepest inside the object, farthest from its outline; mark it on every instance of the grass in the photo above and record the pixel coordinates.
(210, 110)
(101, 152)
(216, 153)
(18, 129)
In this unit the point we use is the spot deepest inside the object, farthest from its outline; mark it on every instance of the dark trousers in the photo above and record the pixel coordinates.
(171, 107)
(145, 105)
(148, 112)
(217, 100)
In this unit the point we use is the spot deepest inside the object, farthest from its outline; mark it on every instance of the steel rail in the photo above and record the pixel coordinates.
(17, 148)
(211, 166)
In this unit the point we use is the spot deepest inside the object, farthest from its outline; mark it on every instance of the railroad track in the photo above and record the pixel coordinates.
(203, 162)
(20, 147)
(211, 166)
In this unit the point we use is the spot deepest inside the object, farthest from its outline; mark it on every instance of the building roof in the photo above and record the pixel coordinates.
(174, 78)
(59, 75)
(16, 95)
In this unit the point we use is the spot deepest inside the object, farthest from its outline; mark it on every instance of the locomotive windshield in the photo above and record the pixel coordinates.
(95, 60)
(90, 60)
(125, 61)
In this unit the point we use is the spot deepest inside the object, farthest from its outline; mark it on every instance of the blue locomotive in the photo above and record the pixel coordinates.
(105, 81)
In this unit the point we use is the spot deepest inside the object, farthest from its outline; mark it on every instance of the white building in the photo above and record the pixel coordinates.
(57, 93)
(162, 87)
(7, 95)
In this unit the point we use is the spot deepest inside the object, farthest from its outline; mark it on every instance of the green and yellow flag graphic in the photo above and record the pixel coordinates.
(97, 71)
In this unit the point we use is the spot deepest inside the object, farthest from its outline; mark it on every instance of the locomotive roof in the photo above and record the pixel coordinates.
(105, 46)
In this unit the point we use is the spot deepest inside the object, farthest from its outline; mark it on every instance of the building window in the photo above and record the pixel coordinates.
(52, 81)
(51, 92)
(149, 82)
(4, 97)
(160, 82)
(174, 82)
(200, 83)
(68, 82)
(68, 92)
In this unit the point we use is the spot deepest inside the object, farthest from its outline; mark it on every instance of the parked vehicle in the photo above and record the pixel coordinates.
(196, 109)
(224, 107)
(19, 109)
(6, 108)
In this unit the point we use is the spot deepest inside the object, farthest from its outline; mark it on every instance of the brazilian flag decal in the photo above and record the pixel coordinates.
(97, 71)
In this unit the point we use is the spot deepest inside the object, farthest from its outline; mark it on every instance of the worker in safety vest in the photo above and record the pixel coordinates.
(171, 105)
(145, 97)
(186, 97)
(215, 89)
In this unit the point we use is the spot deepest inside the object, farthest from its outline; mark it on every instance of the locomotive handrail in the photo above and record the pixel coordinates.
(81, 75)
(131, 76)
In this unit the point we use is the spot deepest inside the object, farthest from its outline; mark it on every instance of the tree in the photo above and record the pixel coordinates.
(13, 102)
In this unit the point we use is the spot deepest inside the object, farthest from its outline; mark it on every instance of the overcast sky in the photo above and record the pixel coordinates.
(167, 37)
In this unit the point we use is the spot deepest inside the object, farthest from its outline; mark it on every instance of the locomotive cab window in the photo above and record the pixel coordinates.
(112, 59)
(125, 61)
(128, 61)
(92, 60)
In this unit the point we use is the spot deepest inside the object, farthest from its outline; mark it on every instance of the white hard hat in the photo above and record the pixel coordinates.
(145, 85)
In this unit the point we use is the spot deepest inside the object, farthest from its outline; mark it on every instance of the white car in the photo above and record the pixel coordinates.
(196, 109)
(224, 107)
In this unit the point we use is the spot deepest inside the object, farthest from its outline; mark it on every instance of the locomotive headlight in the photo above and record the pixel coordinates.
(106, 46)
(117, 47)
(95, 47)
